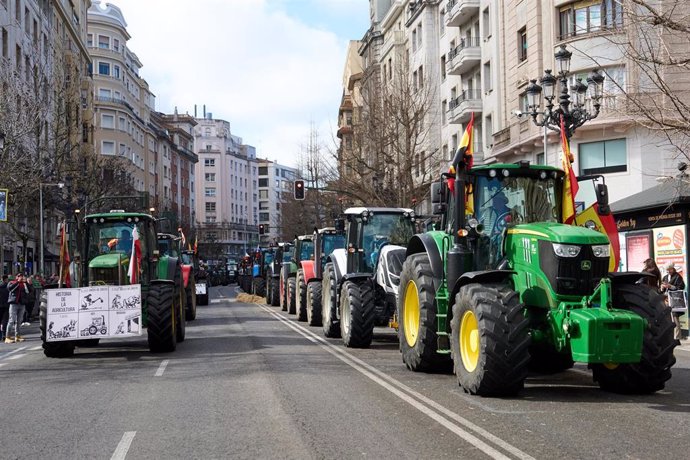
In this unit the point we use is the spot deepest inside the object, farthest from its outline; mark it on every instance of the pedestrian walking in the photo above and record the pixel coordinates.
(4, 306)
(19, 295)
(673, 283)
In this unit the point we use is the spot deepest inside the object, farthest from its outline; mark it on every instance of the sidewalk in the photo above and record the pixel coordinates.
(31, 334)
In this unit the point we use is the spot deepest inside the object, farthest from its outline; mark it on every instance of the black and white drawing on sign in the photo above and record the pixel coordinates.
(62, 330)
(98, 326)
(93, 298)
(120, 303)
(125, 323)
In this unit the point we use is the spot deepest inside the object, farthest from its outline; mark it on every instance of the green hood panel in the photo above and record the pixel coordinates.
(559, 233)
(109, 260)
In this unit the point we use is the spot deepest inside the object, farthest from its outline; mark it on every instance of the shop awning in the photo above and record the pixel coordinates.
(670, 191)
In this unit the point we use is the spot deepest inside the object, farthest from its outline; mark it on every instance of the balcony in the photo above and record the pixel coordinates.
(461, 108)
(464, 56)
(461, 11)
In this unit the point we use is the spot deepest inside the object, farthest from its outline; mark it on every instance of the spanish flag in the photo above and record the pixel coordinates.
(464, 159)
(64, 278)
(570, 186)
(196, 239)
(603, 224)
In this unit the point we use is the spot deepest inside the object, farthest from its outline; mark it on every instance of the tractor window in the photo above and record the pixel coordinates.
(306, 250)
(287, 255)
(110, 237)
(383, 229)
(331, 243)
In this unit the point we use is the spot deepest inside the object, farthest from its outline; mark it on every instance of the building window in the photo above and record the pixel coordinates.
(104, 42)
(263, 182)
(522, 44)
(108, 148)
(442, 22)
(263, 170)
(603, 157)
(116, 45)
(210, 206)
(210, 219)
(264, 216)
(89, 40)
(540, 158)
(488, 131)
(488, 85)
(107, 121)
(210, 191)
(420, 75)
(209, 162)
(116, 71)
(103, 68)
(210, 177)
(587, 17)
(486, 22)
(414, 40)
(263, 194)
(444, 108)
(263, 205)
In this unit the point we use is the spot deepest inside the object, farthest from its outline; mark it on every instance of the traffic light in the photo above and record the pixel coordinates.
(299, 189)
(262, 229)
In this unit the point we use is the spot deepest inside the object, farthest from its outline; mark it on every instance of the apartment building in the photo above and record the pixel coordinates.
(275, 187)
(43, 44)
(227, 188)
(486, 53)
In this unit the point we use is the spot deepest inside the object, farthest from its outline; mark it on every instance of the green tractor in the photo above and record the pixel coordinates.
(172, 245)
(102, 257)
(263, 258)
(504, 285)
(303, 250)
(283, 254)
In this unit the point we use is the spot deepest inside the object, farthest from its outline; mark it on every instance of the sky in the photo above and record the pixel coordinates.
(269, 67)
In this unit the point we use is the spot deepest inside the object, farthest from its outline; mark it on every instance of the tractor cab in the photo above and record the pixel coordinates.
(108, 240)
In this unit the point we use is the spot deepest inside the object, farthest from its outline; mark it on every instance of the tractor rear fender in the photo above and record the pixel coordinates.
(167, 266)
(339, 259)
(618, 278)
(186, 272)
(430, 243)
(308, 269)
(354, 277)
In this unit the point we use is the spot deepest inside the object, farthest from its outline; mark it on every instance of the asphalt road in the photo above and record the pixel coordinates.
(251, 382)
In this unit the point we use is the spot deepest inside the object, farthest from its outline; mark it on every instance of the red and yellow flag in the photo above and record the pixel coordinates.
(570, 186)
(603, 224)
(135, 258)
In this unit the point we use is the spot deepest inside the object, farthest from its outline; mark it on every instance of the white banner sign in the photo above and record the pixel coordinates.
(94, 312)
(200, 288)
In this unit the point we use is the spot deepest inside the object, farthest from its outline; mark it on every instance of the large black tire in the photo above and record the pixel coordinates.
(283, 294)
(190, 304)
(52, 349)
(269, 289)
(275, 292)
(654, 369)
(314, 303)
(357, 314)
(180, 307)
(489, 321)
(260, 287)
(161, 327)
(291, 295)
(417, 324)
(329, 319)
(300, 296)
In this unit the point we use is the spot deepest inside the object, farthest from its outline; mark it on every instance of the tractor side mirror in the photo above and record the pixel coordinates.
(603, 199)
(439, 209)
(340, 225)
(437, 195)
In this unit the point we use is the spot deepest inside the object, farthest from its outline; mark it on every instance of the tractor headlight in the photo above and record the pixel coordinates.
(566, 250)
(601, 250)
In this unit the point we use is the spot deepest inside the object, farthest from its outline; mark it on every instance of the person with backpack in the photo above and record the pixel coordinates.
(19, 295)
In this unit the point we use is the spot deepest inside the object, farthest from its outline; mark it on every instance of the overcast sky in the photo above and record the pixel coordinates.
(269, 67)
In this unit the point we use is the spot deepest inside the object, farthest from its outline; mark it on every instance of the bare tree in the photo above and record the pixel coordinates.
(390, 161)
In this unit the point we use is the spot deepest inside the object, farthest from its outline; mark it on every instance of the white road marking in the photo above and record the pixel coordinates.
(123, 446)
(17, 356)
(12, 352)
(162, 367)
(216, 300)
(432, 409)
(35, 348)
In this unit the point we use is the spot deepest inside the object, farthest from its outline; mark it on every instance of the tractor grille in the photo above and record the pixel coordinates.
(567, 275)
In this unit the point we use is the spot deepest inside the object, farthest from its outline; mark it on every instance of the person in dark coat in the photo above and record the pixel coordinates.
(19, 294)
(673, 281)
(4, 306)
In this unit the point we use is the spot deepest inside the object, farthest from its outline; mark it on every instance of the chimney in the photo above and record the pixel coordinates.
(194, 110)
(204, 110)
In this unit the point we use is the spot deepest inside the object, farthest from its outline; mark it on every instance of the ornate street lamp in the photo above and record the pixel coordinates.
(40, 206)
(584, 107)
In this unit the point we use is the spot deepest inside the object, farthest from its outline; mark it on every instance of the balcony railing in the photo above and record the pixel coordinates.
(461, 11)
(464, 56)
(460, 108)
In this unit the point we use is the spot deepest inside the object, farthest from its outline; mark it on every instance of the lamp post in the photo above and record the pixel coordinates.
(575, 112)
(40, 205)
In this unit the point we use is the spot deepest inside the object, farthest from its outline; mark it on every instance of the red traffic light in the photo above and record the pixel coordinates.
(299, 190)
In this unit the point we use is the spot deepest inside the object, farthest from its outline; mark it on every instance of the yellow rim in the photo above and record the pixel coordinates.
(610, 366)
(469, 341)
(411, 313)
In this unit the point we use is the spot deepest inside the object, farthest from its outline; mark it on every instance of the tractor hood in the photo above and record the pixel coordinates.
(559, 233)
(108, 260)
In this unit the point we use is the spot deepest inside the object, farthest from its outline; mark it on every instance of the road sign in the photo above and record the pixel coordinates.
(3, 205)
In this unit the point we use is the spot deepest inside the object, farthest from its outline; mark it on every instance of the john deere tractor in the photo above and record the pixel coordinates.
(102, 257)
(360, 281)
(296, 289)
(504, 285)
(172, 245)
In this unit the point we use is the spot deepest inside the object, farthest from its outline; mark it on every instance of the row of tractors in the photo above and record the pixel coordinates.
(499, 287)
(172, 282)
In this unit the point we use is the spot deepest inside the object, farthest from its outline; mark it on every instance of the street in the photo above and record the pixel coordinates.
(251, 382)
